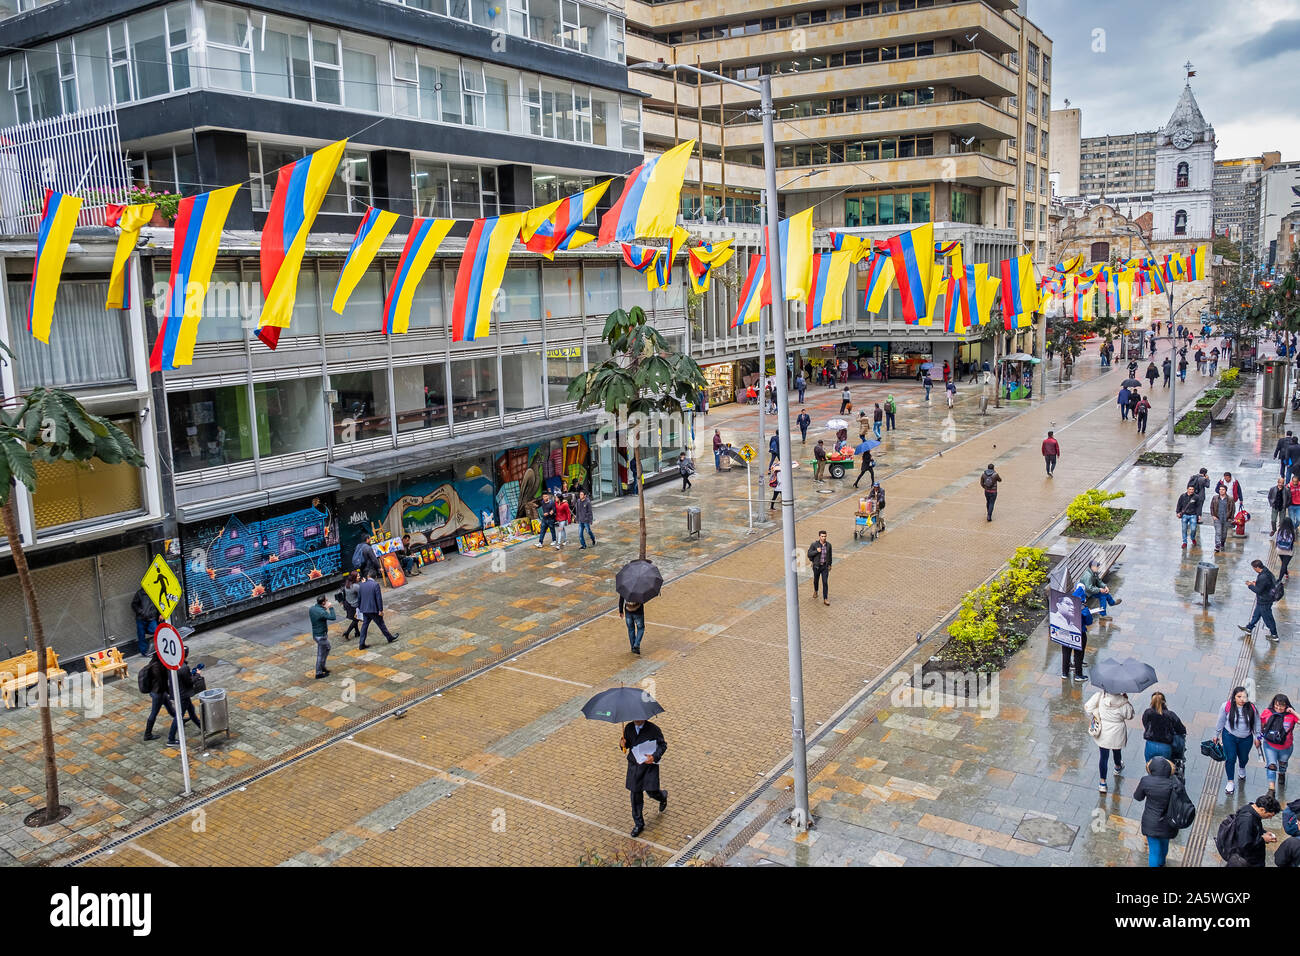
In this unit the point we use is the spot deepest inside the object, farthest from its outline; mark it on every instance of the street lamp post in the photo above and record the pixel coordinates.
(799, 816)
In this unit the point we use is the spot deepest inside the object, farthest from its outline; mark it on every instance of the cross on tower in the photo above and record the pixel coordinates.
(1188, 68)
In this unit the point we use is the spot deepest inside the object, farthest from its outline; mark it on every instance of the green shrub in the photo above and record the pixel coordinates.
(1229, 378)
(1193, 423)
(984, 611)
(1088, 511)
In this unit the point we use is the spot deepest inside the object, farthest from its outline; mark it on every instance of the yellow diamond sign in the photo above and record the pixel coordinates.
(747, 452)
(162, 587)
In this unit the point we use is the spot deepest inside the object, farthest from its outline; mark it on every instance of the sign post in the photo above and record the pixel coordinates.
(171, 651)
(747, 455)
(160, 583)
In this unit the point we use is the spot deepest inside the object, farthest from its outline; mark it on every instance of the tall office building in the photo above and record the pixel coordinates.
(1120, 169)
(1279, 197)
(1236, 197)
(1064, 167)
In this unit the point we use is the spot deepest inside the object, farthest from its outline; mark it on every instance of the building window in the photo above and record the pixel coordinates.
(290, 416)
(1180, 222)
(1031, 137)
(474, 389)
(362, 410)
(1031, 98)
(420, 395)
(1011, 214)
(964, 207)
(88, 347)
(69, 492)
(521, 379)
(1029, 216)
(209, 427)
(1184, 174)
(229, 48)
(1031, 60)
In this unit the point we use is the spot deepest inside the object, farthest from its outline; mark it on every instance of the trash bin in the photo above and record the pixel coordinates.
(693, 522)
(1274, 383)
(214, 715)
(1207, 575)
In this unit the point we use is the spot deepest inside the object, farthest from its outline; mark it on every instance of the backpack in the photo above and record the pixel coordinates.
(1275, 730)
(891, 406)
(1181, 811)
(144, 679)
(1225, 839)
(988, 481)
(1277, 591)
(1289, 822)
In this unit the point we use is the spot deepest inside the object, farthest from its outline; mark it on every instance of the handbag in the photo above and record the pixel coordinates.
(1212, 749)
(338, 596)
(1094, 726)
(1178, 746)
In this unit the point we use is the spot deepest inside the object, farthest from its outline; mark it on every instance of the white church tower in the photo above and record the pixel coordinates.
(1183, 204)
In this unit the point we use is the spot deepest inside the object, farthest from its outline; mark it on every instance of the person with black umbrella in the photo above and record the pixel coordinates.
(636, 582)
(644, 744)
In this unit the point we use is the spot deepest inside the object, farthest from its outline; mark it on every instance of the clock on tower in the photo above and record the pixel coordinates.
(1182, 138)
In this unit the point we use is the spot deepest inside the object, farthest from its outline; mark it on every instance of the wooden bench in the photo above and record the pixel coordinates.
(105, 662)
(1223, 414)
(1082, 556)
(19, 673)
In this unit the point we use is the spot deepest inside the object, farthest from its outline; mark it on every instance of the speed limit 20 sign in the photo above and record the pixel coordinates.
(167, 642)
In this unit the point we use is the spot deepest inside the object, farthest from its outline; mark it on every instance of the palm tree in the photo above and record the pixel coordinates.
(49, 425)
(643, 376)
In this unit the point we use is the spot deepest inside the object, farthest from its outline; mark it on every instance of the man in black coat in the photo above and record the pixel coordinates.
(1263, 588)
(643, 778)
(1282, 453)
(819, 554)
(1156, 788)
(160, 694)
(370, 602)
(1248, 833)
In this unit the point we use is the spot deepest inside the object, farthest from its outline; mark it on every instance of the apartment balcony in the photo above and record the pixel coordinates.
(968, 169)
(965, 118)
(977, 73)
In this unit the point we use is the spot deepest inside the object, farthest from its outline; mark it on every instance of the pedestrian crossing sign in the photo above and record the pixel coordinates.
(160, 583)
(747, 452)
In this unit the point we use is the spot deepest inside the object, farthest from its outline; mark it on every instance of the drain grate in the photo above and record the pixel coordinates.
(1044, 831)
(1251, 464)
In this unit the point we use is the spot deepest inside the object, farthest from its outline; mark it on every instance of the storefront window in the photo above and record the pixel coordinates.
(722, 383)
(68, 492)
(474, 389)
(222, 306)
(361, 411)
(290, 416)
(521, 381)
(209, 427)
(420, 394)
(563, 365)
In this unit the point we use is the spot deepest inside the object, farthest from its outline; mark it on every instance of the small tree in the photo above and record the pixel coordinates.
(643, 376)
(49, 425)
(1235, 303)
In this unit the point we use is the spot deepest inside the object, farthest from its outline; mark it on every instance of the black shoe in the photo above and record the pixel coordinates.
(173, 743)
(150, 737)
(327, 673)
(636, 830)
(663, 804)
(394, 637)
(636, 650)
(319, 676)
(361, 647)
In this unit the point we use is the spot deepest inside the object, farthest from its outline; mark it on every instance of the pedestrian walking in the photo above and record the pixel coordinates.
(146, 621)
(1123, 401)
(1157, 790)
(1160, 727)
(1235, 731)
(891, 413)
(564, 513)
(877, 416)
(1278, 500)
(1141, 410)
(1166, 370)
(1201, 482)
(776, 481)
(320, 614)
(546, 514)
(868, 467)
(819, 554)
(1214, 361)
(1094, 587)
(1267, 590)
(1133, 399)
(1293, 500)
(364, 558)
(1244, 841)
(185, 706)
(156, 682)
(584, 518)
(1051, 452)
(633, 615)
(1188, 513)
(1276, 725)
(1182, 368)
(1285, 544)
(801, 385)
(685, 469)
(1281, 452)
(846, 400)
(989, 482)
(1152, 374)
(951, 389)
(774, 448)
(1108, 715)
(350, 594)
(803, 421)
(864, 425)
(643, 768)
(1221, 512)
(717, 450)
(1234, 490)
(371, 605)
(928, 382)
(819, 460)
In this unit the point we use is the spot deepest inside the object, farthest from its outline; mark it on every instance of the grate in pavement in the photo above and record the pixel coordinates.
(1251, 464)
(1045, 831)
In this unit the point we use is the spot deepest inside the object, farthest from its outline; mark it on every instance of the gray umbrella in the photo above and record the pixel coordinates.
(1128, 676)
(1130, 383)
(621, 704)
(638, 581)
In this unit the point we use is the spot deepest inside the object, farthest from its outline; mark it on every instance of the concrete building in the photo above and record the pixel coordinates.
(1184, 182)
(1279, 196)
(1236, 197)
(1066, 150)
(1119, 165)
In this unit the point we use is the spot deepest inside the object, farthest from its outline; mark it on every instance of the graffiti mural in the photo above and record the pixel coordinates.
(238, 559)
(522, 474)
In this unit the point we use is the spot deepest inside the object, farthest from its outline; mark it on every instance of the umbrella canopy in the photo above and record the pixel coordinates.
(1128, 676)
(866, 446)
(638, 581)
(1022, 357)
(620, 705)
(925, 366)
(1130, 383)
(836, 424)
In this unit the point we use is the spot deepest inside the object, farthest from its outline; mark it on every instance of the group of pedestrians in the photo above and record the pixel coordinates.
(1135, 405)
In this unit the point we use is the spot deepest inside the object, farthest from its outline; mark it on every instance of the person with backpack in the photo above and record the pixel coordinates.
(152, 679)
(684, 468)
(951, 388)
(1267, 590)
(928, 382)
(1243, 833)
(1276, 726)
(989, 479)
(1141, 411)
(1107, 725)
(1166, 809)
(801, 385)
(1281, 451)
(1160, 727)
(1285, 544)
(1235, 732)
(891, 412)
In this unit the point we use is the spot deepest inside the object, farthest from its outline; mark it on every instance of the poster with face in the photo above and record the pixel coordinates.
(1065, 619)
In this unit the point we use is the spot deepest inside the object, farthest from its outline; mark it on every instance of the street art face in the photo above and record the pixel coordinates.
(430, 508)
(233, 560)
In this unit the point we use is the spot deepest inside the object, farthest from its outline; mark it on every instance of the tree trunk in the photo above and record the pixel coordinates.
(38, 636)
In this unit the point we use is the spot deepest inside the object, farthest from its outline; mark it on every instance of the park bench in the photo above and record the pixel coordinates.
(104, 662)
(1222, 415)
(19, 673)
(1078, 560)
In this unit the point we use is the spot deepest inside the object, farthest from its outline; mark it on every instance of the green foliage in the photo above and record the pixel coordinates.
(1229, 378)
(1193, 423)
(1088, 511)
(643, 373)
(168, 203)
(986, 611)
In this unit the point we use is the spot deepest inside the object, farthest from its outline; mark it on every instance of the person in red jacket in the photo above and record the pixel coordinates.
(563, 515)
(1051, 451)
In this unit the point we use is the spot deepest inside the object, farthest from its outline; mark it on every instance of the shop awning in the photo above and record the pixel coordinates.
(430, 455)
(218, 507)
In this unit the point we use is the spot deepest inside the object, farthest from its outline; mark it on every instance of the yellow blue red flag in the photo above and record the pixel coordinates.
(53, 236)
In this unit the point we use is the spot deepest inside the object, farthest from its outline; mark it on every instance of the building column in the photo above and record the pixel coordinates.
(390, 181)
(515, 187)
(222, 159)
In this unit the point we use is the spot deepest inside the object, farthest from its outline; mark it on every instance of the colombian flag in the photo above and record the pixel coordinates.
(830, 274)
(129, 220)
(859, 248)
(482, 267)
(880, 275)
(196, 238)
(645, 260)
(421, 243)
(663, 270)
(979, 292)
(754, 294)
(1019, 291)
(1196, 264)
(53, 236)
(703, 259)
(299, 191)
(795, 235)
(375, 226)
(1070, 265)
(913, 255)
(555, 225)
(647, 207)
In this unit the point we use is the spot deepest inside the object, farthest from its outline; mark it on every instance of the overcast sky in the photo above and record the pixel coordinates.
(1121, 63)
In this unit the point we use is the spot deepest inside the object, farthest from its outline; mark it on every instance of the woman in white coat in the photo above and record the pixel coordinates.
(1107, 725)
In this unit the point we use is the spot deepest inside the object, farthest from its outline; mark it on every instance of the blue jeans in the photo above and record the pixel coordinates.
(549, 526)
(1276, 756)
(1156, 749)
(584, 530)
(1263, 612)
(143, 638)
(1189, 527)
(1157, 850)
(927, 393)
(1123, 411)
(717, 459)
(635, 627)
(1236, 750)
(1293, 512)
(1104, 601)
(875, 427)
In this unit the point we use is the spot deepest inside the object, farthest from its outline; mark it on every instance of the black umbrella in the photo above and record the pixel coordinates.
(620, 705)
(1128, 676)
(638, 581)
(1130, 383)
